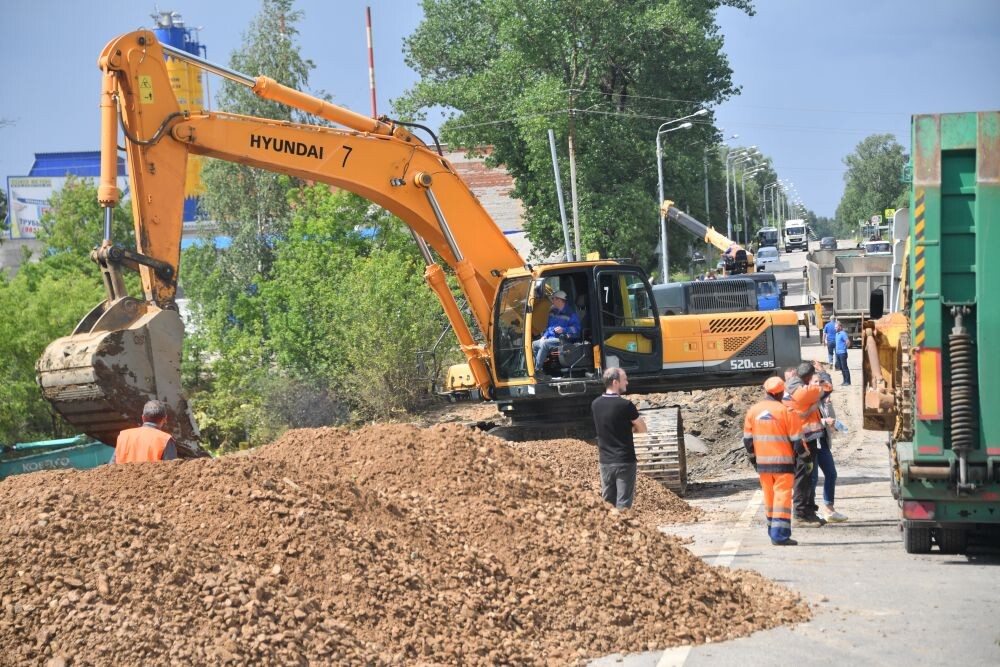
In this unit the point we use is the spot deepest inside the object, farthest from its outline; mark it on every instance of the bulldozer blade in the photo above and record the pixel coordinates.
(122, 354)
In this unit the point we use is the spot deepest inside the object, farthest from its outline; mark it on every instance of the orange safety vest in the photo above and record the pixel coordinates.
(142, 444)
(804, 404)
(771, 434)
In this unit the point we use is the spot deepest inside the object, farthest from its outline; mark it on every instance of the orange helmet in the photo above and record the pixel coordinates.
(774, 385)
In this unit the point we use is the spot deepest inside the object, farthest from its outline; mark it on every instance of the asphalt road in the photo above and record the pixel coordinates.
(873, 604)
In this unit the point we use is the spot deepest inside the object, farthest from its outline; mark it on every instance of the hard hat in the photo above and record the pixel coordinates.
(559, 295)
(774, 385)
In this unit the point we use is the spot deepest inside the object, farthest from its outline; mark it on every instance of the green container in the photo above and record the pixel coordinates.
(80, 453)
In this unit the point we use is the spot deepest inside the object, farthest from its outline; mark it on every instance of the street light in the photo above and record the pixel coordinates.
(729, 157)
(763, 196)
(663, 129)
(748, 158)
(708, 210)
(746, 219)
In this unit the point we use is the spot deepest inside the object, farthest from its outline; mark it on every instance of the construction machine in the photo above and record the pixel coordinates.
(737, 259)
(930, 377)
(127, 349)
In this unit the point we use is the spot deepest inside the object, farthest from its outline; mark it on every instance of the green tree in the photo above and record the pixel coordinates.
(46, 299)
(329, 335)
(873, 181)
(250, 205)
(607, 73)
(3, 214)
(75, 222)
(347, 307)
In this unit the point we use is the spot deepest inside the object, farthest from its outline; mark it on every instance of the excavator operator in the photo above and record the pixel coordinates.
(563, 324)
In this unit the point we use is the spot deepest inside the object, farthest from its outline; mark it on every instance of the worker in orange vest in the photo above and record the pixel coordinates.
(803, 392)
(149, 442)
(772, 439)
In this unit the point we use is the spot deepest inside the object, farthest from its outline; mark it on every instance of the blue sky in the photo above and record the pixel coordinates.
(816, 77)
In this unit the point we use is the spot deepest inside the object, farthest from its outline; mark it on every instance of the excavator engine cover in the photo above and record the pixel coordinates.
(121, 355)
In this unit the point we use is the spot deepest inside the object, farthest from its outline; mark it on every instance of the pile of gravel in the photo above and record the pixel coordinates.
(391, 544)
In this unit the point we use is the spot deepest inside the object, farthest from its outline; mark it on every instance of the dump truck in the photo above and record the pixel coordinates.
(854, 279)
(856, 269)
(127, 350)
(931, 379)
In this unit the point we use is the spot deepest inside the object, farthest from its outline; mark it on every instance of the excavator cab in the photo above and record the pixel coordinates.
(619, 326)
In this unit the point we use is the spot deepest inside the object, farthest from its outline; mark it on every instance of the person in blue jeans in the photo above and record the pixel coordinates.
(824, 461)
(830, 338)
(842, 342)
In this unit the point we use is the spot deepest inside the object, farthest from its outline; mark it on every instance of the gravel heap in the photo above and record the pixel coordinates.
(576, 461)
(388, 545)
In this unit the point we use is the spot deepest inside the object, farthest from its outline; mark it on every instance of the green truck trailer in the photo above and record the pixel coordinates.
(932, 375)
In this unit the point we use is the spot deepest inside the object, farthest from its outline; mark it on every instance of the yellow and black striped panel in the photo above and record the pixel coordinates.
(919, 269)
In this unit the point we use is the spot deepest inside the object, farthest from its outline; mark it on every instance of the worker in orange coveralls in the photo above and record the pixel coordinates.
(772, 439)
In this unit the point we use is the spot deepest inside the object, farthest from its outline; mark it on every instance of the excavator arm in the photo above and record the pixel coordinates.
(127, 350)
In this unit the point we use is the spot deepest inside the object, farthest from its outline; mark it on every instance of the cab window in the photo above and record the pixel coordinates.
(509, 337)
(767, 288)
(625, 300)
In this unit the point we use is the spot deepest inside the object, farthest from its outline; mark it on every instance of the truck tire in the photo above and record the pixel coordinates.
(953, 540)
(916, 540)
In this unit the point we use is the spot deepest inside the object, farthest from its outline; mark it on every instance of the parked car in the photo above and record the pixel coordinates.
(766, 255)
(828, 243)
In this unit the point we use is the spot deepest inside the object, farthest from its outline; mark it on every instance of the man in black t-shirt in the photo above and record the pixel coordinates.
(616, 419)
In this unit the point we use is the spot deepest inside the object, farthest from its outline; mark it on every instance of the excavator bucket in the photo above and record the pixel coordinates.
(122, 354)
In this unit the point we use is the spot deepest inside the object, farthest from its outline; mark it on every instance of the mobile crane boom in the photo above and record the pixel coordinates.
(730, 248)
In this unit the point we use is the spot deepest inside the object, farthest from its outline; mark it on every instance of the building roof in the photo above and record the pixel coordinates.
(78, 163)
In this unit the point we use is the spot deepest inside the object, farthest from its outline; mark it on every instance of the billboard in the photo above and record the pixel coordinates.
(28, 199)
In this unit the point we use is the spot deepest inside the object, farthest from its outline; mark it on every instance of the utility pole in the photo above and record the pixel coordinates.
(559, 194)
(572, 183)
(708, 214)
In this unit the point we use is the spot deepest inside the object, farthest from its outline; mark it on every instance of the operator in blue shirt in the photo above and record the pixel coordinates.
(842, 342)
(563, 323)
(830, 336)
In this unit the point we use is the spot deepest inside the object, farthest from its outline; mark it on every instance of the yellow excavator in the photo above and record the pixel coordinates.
(128, 349)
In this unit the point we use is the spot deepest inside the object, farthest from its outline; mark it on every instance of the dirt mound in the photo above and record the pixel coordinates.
(392, 544)
(716, 417)
(576, 461)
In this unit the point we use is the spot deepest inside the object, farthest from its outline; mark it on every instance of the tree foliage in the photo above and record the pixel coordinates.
(45, 300)
(330, 334)
(873, 181)
(3, 214)
(609, 72)
(248, 204)
(75, 222)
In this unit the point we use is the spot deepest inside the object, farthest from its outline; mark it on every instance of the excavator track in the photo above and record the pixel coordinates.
(660, 451)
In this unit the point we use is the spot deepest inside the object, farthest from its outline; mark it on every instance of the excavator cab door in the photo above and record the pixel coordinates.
(630, 335)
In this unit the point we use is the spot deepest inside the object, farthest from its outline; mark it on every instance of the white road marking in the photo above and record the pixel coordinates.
(674, 657)
(678, 655)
